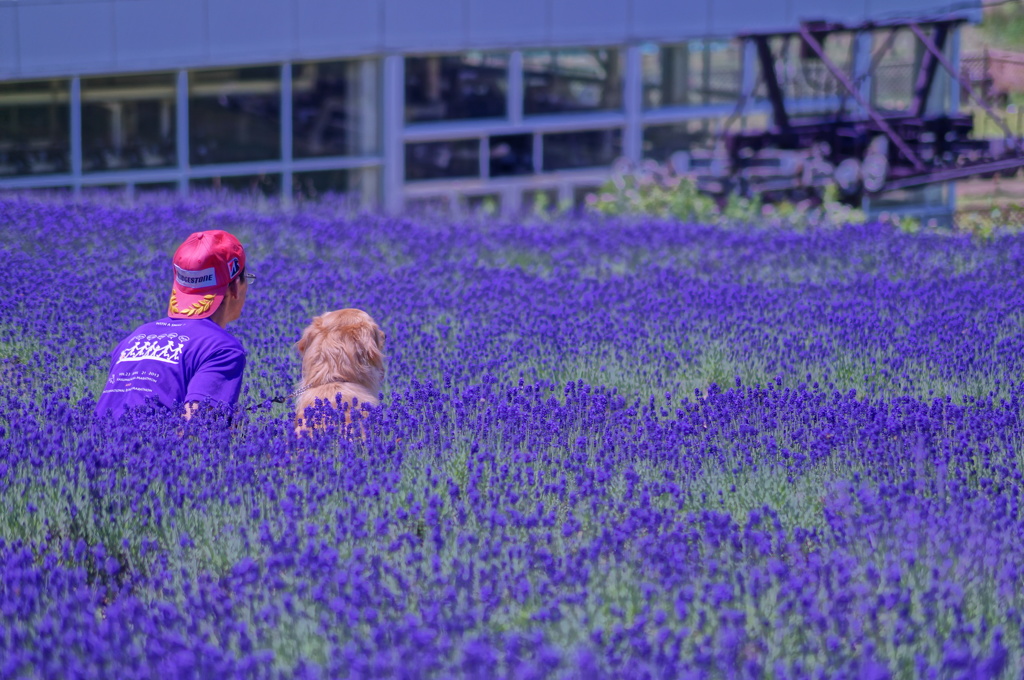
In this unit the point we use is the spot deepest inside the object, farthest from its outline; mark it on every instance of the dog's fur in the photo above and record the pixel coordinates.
(342, 363)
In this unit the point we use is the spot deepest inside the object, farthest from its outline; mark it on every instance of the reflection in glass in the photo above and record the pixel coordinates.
(482, 204)
(360, 185)
(572, 80)
(35, 128)
(591, 148)
(437, 160)
(892, 83)
(105, 191)
(128, 122)
(698, 72)
(453, 87)
(511, 155)
(429, 205)
(59, 192)
(802, 75)
(931, 195)
(156, 189)
(256, 185)
(661, 141)
(539, 200)
(335, 108)
(234, 115)
(580, 194)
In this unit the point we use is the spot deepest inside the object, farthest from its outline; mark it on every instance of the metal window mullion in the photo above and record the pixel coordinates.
(748, 76)
(75, 109)
(538, 153)
(484, 159)
(633, 91)
(862, 64)
(181, 141)
(393, 115)
(954, 59)
(516, 91)
(862, 73)
(954, 104)
(511, 201)
(705, 80)
(512, 198)
(286, 133)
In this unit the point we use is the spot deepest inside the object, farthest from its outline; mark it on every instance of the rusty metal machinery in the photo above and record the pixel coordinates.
(862, 149)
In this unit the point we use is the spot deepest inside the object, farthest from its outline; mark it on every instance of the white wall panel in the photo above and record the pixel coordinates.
(732, 16)
(160, 33)
(589, 21)
(8, 41)
(257, 29)
(851, 11)
(73, 37)
(887, 9)
(425, 25)
(671, 19)
(523, 22)
(331, 27)
(41, 38)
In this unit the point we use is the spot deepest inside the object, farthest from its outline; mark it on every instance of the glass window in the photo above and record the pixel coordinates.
(482, 204)
(335, 109)
(105, 191)
(698, 72)
(128, 122)
(661, 141)
(591, 148)
(892, 83)
(438, 160)
(35, 127)
(58, 192)
(539, 200)
(579, 195)
(801, 74)
(453, 87)
(262, 184)
(572, 80)
(156, 189)
(361, 184)
(510, 155)
(234, 115)
(429, 205)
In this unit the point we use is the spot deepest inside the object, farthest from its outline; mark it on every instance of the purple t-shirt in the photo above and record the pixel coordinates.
(174, 361)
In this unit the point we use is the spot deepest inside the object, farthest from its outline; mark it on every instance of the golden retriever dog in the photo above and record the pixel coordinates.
(342, 364)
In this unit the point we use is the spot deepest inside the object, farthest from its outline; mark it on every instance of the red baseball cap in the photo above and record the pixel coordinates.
(204, 265)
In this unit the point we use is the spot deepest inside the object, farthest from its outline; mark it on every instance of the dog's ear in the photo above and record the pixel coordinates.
(307, 335)
(370, 344)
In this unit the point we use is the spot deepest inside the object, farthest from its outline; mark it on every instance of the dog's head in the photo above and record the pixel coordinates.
(345, 345)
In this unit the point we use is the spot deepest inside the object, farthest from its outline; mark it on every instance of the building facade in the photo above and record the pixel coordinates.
(395, 102)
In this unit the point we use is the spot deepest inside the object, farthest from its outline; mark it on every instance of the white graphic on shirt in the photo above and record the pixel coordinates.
(165, 347)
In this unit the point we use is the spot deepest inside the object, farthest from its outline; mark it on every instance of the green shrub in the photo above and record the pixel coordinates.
(653, 189)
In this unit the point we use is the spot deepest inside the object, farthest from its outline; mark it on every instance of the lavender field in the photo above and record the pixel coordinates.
(605, 450)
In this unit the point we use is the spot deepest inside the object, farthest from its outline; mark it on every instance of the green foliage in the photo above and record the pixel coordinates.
(1004, 26)
(908, 224)
(654, 190)
(983, 225)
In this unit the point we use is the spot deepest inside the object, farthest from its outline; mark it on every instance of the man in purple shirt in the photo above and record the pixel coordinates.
(187, 357)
